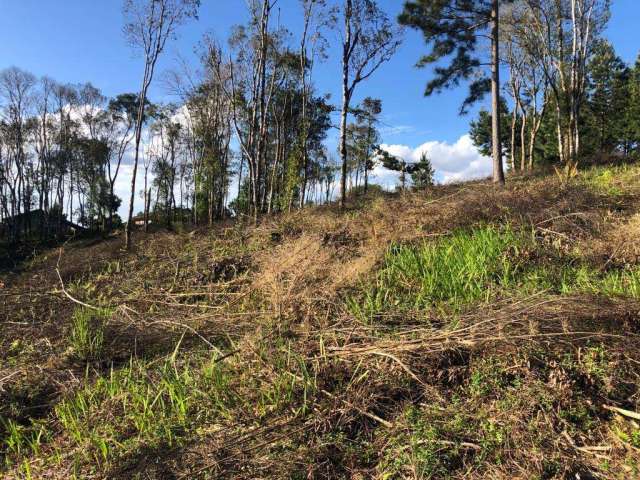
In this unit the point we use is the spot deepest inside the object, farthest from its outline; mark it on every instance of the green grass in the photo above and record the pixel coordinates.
(611, 181)
(471, 266)
(569, 277)
(467, 266)
(159, 404)
(152, 405)
(87, 333)
(432, 443)
(20, 440)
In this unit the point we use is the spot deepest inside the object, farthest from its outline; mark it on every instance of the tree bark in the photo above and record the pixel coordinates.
(345, 100)
(498, 172)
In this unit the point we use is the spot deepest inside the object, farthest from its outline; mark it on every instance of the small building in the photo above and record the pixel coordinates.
(39, 222)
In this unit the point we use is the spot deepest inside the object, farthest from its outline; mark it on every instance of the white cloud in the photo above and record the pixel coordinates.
(452, 162)
(122, 188)
(391, 130)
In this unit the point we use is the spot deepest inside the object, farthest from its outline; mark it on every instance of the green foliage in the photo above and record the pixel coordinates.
(363, 137)
(87, 333)
(480, 130)
(153, 403)
(632, 112)
(452, 29)
(608, 91)
(422, 173)
(467, 266)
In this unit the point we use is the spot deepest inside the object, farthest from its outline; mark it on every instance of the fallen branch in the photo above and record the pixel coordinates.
(397, 360)
(622, 411)
(4, 379)
(64, 290)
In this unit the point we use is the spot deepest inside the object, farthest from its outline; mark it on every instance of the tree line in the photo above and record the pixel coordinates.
(252, 116)
(568, 96)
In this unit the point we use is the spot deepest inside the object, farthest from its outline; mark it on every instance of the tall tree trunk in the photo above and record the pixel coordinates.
(561, 152)
(514, 119)
(146, 201)
(523, 142)
(498, 172)
(345, 101)
(136, 157)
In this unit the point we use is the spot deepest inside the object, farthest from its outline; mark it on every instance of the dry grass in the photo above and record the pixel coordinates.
(512, 387)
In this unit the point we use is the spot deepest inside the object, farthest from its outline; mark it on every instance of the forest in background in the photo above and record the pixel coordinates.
(251, 114)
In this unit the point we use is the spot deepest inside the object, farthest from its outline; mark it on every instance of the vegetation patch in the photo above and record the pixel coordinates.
(477, 265)
(87, 333)
(467, 266)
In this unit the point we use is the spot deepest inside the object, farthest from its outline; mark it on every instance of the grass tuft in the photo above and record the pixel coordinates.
(87, 333)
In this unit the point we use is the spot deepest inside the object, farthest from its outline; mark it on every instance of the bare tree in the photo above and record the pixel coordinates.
(149, 24)
(369, 40)
(316, 17)
(528, 83)
(16, 89)
(565, 32)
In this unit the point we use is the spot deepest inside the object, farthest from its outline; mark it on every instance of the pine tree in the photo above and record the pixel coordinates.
(453, 29)
(608, 82)
(480, 130)
(631, 141)
(422, 173)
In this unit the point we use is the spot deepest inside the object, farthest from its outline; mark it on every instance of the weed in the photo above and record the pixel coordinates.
(153, 404)
(87, 333)
(580, 416)
(489, 378)
(609, 180)
(20, 439)
(416, 452)
(596, 364)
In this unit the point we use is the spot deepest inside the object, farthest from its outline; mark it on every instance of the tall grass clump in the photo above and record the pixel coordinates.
(153, 404)
(87, 333)
(19, 440)
(467, 266)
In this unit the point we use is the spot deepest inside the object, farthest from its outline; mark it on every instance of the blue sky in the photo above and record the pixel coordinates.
(81, 40)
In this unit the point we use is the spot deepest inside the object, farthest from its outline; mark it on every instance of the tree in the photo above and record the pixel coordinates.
(316, 17)
(396, 164)
(16, 89)
(454, 27)
(481, 131)
(631, 134)
(528, 85)
(149, 24)
(563, 36)
(422, 173)
(369, 40)
(367, 118)
(608, 96)
(121, 113)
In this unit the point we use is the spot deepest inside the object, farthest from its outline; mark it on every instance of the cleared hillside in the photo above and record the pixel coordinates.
(466, 331)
